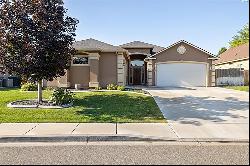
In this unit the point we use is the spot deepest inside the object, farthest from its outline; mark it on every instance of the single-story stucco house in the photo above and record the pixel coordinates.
(236, 57)
(236, 61)
(98, 64)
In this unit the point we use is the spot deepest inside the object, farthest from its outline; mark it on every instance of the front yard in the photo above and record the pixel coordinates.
(88, 107)
(241, 88)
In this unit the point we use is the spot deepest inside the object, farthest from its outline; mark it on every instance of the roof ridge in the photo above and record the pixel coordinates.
(157, 45)
(137, 41)
(91, 43)
(100, 41)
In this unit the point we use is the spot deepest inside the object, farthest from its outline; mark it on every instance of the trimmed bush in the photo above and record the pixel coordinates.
(29, 87)
(62, 96)
(98, 88)
(111, 87)
(121, 88)
(50, 88)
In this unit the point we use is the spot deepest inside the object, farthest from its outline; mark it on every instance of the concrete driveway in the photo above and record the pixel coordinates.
(204, 112)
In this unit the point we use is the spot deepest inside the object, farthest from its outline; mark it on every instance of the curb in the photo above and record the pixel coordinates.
(109, 138)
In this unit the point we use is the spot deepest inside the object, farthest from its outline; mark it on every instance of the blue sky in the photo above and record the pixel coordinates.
(209, 24)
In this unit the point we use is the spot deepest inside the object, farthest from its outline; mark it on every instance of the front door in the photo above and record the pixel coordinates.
(137, 73)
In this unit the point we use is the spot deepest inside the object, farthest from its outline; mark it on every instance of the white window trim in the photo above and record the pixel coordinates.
(72, 64)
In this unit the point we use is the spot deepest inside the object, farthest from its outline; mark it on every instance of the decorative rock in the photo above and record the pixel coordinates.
(34, 104)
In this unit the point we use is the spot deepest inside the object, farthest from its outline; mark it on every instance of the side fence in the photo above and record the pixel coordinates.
(232, 76)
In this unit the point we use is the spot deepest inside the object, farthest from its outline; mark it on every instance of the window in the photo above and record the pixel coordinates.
(137, 63)
(80, 60)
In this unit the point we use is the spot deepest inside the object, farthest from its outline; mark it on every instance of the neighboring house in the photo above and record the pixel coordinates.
(3, 78)
(237, 57)
(232, 67)
(137, 63)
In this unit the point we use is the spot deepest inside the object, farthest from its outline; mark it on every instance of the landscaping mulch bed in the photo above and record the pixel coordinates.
(137, 90)
(36, 104)
(33, 102)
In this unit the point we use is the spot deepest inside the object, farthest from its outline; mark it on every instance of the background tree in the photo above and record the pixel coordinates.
(241, 38)
(223, 49)
(36, 38)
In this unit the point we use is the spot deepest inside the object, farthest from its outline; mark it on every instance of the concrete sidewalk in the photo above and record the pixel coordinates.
(104, 131)
(158, 130)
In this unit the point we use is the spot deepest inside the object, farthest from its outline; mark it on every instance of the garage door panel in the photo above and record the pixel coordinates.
(181, 74)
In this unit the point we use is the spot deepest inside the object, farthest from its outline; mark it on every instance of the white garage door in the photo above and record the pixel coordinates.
(181, 74)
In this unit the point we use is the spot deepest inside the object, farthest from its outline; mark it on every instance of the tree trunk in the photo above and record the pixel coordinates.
(40, 93)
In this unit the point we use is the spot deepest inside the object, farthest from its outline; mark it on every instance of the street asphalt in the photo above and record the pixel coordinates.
(135, 153)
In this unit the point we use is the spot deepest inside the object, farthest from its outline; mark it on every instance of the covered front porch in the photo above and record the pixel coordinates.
(137, 69)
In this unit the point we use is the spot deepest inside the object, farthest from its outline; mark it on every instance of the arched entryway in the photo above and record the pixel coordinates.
(137, 69)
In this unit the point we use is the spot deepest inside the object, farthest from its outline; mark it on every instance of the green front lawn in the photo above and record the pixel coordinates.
(88, 107)
(241, 88)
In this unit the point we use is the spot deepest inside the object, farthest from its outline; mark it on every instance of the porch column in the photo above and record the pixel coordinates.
(94, 70)
(121, 74)
(64, 81)
(213, 77)
(150, 72)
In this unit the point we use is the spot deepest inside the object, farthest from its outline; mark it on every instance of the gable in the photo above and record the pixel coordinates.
(142, 45)
(189, 45)
(191, 54)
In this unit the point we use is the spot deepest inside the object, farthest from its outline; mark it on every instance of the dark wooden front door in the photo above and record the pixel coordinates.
(137, 75)
(137, 72)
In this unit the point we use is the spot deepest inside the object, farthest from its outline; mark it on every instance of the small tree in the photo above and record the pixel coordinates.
(36, 39)
(223, 49)
(241, 38)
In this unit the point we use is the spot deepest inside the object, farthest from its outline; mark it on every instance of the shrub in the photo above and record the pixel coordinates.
(29, 87)
(50, 88)
(98, 88)
(111, 87)
(121, 88)
(62, 96)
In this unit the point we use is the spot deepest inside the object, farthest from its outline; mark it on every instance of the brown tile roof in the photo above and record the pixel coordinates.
(95, 45)
(234, 54)
(157, 48)
(139, 44)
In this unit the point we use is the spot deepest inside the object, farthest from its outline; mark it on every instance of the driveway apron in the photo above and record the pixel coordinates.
(204, 112)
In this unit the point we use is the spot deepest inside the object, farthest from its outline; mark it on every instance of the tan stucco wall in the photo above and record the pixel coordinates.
(79, 75)
(191, 54)
(94, 72)
(244, 64)
(107, 69)
(138, 50)
(102, 70)
(53, 83)
(59, 82)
